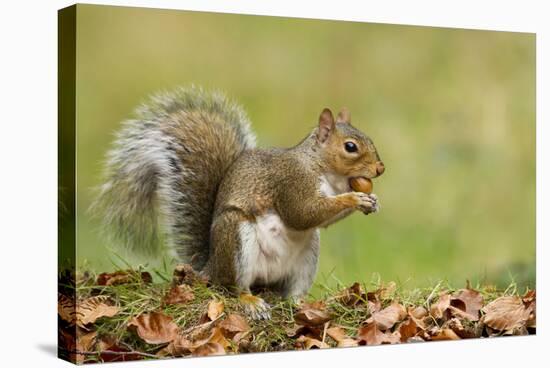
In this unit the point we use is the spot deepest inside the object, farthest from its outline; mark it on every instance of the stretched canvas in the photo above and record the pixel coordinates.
(234, 184)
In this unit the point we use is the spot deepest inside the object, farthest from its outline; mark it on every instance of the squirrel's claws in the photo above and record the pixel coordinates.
(368, 203)
(255, 307)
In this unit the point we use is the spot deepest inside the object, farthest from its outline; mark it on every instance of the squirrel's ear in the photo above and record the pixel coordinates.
(344, 116)
(326, 125)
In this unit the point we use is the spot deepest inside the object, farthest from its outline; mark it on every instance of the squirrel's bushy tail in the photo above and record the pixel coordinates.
(163, 172)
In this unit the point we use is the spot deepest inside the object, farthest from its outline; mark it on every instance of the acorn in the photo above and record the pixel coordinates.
(361, 184)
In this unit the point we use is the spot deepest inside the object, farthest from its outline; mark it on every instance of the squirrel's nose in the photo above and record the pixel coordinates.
(380, 168)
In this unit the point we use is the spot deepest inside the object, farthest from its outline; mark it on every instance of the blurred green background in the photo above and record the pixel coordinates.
(452, 113)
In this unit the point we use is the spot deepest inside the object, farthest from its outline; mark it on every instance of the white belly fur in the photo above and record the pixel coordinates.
(271, 251)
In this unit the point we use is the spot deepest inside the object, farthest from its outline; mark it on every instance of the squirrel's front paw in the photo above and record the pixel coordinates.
(255, 307)
(367, 203)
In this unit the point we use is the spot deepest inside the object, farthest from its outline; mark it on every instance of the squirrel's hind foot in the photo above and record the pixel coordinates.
(255, 307)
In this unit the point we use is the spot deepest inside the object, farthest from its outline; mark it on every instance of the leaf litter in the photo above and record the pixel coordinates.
(123, 316)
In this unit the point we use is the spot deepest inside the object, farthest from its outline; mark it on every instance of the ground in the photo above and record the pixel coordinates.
(123, 315)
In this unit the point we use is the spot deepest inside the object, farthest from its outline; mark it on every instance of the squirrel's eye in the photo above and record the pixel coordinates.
(350, 147)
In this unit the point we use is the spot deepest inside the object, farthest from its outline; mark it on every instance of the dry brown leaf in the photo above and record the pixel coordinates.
(532, 320)
(460, 313)
(438, 309)
(418, 315)
(389, 316)
(123, 277)
(179, 294)
(408, 329)
(463, 332)
(180, 346)
(305, 342)
(66, 308)
(418, 312)
(506, 313)
(215, 308)
(469, 302)
(185, 274)
(352, 295)
(183, 345)
(84, 343)
(372, 335)
(445, 334)
(310, 331)
(234, 324)
(530, 302)
(210, 348)
(338, 334)
(374, 307)
(312, 314)
(89, 310)
(218, 336)
(154, 327)
(529, 297)
(347, 342)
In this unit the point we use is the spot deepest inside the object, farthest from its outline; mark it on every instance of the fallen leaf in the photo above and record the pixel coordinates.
(445, 334)
(84, 343)
(418, 315)
(215, 308)
(185, 274)
(529, 300)
(89, 310)
(234, 324)
(418, 312)
(373, 302)
(154, 327)
(407, 329)
(179, 294)
(374, 307)
(183, 345)
(305, 342)
(310, 331)
(180, 346)
(469, 302)
(506, 313)
(352, 295)
(347, 342)
(438, 309)
(219, 337)
(389, 316)
(66, 308)
(123, 277)
(532, 320)
(338, 334)
(372, 335)
(210, 348)
(529, 297)
(312, 314)
(463, 332)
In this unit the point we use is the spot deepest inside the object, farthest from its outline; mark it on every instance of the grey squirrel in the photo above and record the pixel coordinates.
(186, 174)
